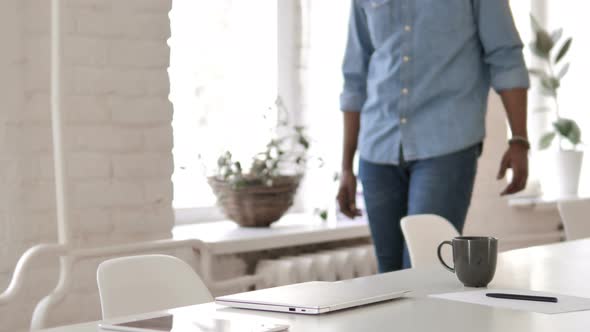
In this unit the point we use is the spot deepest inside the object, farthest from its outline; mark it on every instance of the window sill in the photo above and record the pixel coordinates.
(542, 202)
(224, 237)
(190, 216)
(209, 214)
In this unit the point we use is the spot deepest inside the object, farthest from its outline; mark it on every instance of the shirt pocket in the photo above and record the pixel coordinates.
(445, 16)
(380, 23)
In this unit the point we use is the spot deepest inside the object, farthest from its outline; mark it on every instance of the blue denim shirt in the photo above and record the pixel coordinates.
(420, 71)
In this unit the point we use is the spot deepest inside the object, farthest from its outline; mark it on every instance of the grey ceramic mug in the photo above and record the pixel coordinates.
(474, 259)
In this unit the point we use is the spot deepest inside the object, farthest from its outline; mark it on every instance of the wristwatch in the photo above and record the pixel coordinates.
(520, 140)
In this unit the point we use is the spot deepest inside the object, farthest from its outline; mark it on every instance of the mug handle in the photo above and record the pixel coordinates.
(442, 261)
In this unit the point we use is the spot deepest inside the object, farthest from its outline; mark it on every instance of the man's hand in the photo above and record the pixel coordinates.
(347, 194)
(516, 158)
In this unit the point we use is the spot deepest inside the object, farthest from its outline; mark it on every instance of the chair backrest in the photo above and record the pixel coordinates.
(423, 233)
(146, 283)
(575, 216)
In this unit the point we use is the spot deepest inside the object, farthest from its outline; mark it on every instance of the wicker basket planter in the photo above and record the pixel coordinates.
(255, 205)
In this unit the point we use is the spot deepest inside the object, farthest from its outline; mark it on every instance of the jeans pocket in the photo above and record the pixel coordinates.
(379, 19)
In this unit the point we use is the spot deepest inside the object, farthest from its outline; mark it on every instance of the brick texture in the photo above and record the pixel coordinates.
(117, 135)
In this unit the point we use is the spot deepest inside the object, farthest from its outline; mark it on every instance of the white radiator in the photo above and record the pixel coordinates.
(337, 264)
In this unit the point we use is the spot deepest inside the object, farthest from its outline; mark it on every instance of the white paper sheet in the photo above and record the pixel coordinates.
(565, 303)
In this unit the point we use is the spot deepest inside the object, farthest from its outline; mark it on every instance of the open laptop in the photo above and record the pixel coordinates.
(315, 297)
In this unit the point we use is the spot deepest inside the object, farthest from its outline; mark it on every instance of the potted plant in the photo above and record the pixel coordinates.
(260, 193)
(566, 160)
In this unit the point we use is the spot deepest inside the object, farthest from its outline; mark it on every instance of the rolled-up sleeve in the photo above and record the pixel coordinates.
(356, 61)
(501, 44)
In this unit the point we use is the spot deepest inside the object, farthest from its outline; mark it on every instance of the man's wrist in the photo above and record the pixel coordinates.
(519, 140)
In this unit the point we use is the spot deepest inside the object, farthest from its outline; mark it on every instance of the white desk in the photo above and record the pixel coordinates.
(561, 268)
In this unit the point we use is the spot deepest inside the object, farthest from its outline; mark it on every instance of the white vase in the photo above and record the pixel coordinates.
(562, 175)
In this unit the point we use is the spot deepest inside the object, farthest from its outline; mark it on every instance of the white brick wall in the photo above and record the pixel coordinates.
(118, 138)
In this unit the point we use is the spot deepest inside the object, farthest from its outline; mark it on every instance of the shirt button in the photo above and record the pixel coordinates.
(405, 91)
(403, 120)
(408, 28)
(406, 58)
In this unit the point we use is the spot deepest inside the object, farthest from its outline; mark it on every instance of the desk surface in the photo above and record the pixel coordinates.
(560, 268)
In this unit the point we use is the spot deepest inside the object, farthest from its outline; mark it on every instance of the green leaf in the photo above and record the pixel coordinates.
(568, 129)
(533, 47)
(544, 43)
(563, 126)
(563, 71)
(336, 177)
(556, 35)
(546, 140)
(563, 50)
(538, 72)
(535, 23)
(304, 142)
(550, 83)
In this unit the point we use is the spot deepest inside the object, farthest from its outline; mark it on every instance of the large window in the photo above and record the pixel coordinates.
(223, 73)
(326, 24)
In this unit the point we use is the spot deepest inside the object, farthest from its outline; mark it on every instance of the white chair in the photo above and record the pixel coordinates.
(423, 234)
(575, 216)
(146, 283)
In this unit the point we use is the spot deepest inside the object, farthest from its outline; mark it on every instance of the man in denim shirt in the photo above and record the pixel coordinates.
(417, 74)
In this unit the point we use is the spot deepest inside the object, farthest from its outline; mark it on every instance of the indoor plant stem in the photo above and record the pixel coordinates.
(555, 100)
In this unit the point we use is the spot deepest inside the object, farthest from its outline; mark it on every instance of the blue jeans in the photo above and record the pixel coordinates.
(440, 185)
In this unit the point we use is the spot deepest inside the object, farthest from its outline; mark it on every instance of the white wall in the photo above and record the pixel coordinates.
(117, 132)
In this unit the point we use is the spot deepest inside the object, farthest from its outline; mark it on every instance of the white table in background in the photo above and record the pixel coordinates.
(559, 268)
